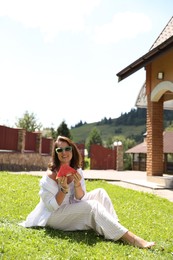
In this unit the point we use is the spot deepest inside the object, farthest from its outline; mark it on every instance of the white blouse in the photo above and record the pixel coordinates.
(48, 204)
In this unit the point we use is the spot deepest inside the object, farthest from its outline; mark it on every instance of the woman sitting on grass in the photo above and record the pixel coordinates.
(65, 204)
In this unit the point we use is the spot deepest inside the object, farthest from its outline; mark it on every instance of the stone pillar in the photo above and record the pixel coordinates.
(38, 143)
(154, 138)
(21, 140)
(120, 160)
(120, 156)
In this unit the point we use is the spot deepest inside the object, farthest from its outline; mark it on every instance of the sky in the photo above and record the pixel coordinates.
(59, 59)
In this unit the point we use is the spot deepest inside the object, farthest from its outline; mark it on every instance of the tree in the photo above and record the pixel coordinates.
(28, 122)
(63, 130)
(94, 138)
(53, 133)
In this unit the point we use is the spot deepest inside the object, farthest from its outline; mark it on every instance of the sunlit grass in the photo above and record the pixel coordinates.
(145, 214)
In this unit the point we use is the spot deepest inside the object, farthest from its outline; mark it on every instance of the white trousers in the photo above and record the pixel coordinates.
(95, 211)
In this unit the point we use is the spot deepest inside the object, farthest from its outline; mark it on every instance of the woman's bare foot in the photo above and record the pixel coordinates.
(141, 243)
(134, 240)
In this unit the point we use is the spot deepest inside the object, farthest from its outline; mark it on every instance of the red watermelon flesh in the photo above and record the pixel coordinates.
(65, 170)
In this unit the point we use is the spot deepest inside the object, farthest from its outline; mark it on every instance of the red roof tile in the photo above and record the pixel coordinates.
(167, 144)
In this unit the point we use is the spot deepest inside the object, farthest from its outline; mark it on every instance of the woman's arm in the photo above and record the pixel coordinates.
(79, 193)
(79, 189)
(52, 195)
(62, 193)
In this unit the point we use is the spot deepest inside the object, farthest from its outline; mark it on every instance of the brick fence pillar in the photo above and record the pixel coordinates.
(154, 138)
(51, 145)
(38, 143)
(21, 140)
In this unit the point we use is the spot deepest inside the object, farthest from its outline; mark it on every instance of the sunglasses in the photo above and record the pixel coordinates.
(65, 149)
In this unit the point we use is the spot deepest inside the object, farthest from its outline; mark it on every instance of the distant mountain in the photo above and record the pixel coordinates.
(130, 125)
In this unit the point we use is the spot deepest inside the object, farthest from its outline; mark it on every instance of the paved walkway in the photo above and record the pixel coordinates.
(135, 180)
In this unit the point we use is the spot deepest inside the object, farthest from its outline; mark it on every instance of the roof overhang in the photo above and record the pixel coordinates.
(146, 59)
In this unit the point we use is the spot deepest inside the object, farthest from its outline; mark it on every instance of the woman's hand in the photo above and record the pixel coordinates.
(77, 178)
(63, 182)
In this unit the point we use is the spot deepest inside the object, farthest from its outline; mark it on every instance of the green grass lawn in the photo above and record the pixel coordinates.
(145, 214)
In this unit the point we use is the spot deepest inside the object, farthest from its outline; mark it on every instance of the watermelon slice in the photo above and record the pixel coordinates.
(65, 170)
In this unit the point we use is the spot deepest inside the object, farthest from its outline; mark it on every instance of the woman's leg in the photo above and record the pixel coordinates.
(134, 240)
(85, 215)
(91, 214)
(101, 196)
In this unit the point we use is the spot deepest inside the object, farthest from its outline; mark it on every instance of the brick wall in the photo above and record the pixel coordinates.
(11, 161)
(26, 151)
(23, 151)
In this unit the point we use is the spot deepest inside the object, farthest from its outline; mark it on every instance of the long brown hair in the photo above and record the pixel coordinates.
(76, 161)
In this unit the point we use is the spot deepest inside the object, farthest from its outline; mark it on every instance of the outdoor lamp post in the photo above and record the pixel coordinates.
(119, 156)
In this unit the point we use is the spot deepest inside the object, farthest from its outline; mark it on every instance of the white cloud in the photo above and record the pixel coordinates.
(50, 16)
(123, 26)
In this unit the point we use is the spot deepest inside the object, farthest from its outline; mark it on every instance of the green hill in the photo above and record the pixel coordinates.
(130, 125)
(81, 133)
